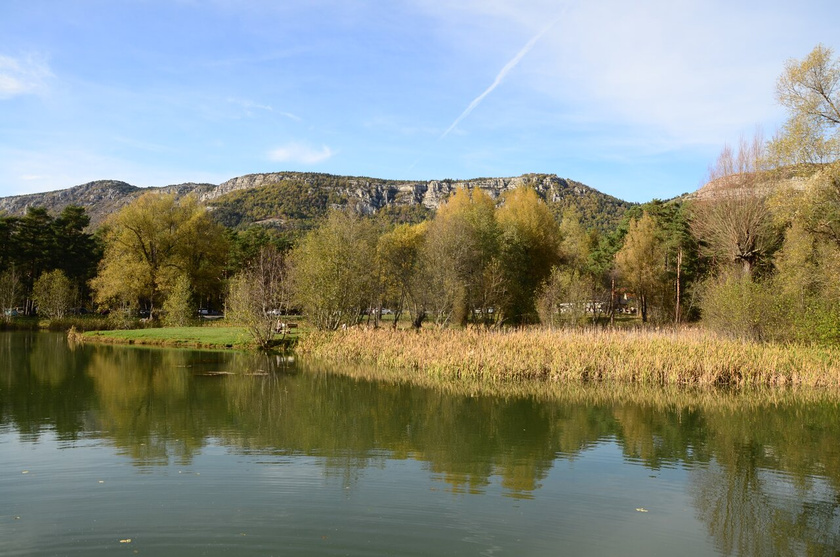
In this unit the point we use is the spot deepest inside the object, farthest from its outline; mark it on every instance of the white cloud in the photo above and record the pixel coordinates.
(22, 76)
(300, 153)
(248, 105)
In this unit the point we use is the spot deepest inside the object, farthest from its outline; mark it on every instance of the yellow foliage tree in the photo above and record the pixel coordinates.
(530, 241)
(153, 241)
(810, 90)
(641, 260)
(461, 243)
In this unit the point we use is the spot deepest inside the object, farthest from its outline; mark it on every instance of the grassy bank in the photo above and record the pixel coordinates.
(185, 337)
(687, 357)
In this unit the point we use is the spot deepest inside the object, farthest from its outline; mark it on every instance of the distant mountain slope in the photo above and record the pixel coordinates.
(99, 198)
(294, 199)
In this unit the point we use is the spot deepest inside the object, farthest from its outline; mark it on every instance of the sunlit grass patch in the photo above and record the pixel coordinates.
(198, 337)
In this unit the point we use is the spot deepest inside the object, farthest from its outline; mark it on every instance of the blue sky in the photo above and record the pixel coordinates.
(632, 98)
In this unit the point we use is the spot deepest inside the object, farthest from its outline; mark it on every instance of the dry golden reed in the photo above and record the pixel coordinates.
(680, 357)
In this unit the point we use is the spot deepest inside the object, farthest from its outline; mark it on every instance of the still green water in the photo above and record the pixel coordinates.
(209, 453)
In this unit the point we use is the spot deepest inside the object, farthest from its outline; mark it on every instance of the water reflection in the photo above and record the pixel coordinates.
(763, 475)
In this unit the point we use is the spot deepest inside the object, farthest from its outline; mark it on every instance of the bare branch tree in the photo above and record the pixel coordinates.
(259, 293)
(730, 217)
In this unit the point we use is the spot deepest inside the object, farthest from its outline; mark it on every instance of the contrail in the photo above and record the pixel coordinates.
(509, 66)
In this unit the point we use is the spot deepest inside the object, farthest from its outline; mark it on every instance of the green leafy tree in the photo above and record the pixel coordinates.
(818, 207)
(38, 242)
(8, 241)
(334, 270)
(75, 251)
(804, 292)
(682, 262)
(33, 244)
(53, 293)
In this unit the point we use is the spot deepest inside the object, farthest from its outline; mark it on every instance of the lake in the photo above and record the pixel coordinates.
(112, 450)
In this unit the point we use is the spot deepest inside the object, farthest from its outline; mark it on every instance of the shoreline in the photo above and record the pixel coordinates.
(682, 358)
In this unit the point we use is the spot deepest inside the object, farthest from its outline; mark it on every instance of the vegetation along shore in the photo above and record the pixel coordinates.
(647, 357)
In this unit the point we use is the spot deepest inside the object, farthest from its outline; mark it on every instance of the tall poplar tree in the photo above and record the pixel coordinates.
(530, 243)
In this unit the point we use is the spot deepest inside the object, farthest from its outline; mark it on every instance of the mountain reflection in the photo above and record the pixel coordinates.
(764, 474)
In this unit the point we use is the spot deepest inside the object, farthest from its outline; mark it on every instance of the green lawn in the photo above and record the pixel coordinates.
(199, 337)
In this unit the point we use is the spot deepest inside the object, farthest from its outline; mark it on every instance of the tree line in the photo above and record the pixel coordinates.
(754, 253)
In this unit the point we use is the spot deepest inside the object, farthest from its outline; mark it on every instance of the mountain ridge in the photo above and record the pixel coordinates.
(230, 199)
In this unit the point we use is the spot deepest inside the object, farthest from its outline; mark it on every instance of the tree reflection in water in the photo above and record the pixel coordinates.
(764, 469)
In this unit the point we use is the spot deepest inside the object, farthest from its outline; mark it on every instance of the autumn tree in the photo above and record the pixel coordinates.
(178, 307)
(563, 297)
(53, 294)
(641, 261)
(529, 248)
(398, 255)
(804, 290)
(810, 90)
(817, 208)
(461, 243)
(153, 241)
(333, 270)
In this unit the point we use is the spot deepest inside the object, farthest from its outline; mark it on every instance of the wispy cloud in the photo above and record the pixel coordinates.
(249, 105)
(300, 153)
(22, 76)
(500, 77)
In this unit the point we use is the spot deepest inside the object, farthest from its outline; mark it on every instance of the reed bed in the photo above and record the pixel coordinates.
(677, 358)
